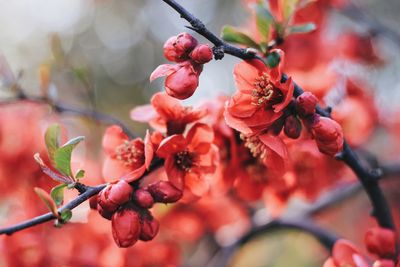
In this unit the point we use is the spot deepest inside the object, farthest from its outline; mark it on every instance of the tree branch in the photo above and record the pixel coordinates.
(89, 192)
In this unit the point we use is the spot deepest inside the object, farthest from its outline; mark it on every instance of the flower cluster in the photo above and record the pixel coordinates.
(182, 77)
(128, 209)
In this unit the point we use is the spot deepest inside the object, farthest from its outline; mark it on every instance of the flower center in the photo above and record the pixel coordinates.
(131, 153)
(255, 146)
(265, 93)
(184, 160)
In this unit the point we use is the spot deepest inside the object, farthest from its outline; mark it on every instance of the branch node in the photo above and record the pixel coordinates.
(218, 52)
(376, 173)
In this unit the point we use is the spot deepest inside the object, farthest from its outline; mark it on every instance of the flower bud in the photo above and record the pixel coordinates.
(165, 192)
(306, 103)
(328, 135)
(202, 54)
(143, 198)
(114, 195)
(381, 241)
(183, 83)
(106, 214)
(93, 202)
(292, 127)
(125, 227)
(149, 228)
(178, 48)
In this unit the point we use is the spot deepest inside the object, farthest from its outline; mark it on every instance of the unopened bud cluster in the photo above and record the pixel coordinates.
(328, 134)
(183, 77)
(128, 209)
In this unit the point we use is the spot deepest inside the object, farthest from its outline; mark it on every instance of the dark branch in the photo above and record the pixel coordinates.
(90, 191)
(326, 238)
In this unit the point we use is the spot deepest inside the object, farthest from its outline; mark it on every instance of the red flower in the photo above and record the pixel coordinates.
(166, 114)
(125, 158)
(329, 135)
(113, 196)
(177, 48)
(165, 192)
(261, 97)
(125, 227)
(345, 253)
(189, 159)
(306, 103)
(202, 54)
(381, 241)
(182, 79)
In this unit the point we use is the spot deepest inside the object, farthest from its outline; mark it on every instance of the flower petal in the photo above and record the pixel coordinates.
(175, 176)
(200, 137)
(163, 70)
(166, 106)
(114, 169)
(241, 105)
(245, 74)
(113, 137)
(287, 89)
(275, 143)
(143, 113)
(196, 183)
(171, 145)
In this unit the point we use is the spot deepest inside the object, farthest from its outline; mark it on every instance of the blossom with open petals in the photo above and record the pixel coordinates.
(261, 97)
(188, 159)
(166, 114)
(125, 158)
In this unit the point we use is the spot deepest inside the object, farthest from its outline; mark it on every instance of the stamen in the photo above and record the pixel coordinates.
(131, 153)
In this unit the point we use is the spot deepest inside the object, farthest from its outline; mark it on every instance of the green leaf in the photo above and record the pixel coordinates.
(232, 35)
(263, 19)
(57, 194)
(62, 157)
(66, 215)
(79, 174)
(302, 28)
(47, 200)
(289, 6)
(51, 139)
(273, 59)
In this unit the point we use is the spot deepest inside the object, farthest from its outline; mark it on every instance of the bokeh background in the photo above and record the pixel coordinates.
(102, 52)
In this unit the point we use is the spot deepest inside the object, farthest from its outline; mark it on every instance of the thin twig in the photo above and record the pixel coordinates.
(63, 108)
(90, 191)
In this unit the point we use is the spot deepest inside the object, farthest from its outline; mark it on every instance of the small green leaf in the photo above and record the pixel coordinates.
(232, 35)
(52, 174)
(62, 157)
(289, 6)
(302, 28)
(263, 19)
(79, 174)
(51, 138)
(57, 194)
(66, 215)
(47, 200)
(273, 59)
